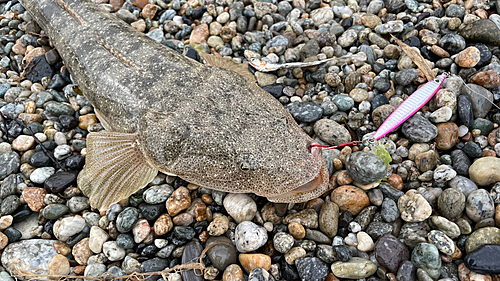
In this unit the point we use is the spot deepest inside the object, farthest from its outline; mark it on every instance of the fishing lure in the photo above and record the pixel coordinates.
(404, 111)
(263, 66)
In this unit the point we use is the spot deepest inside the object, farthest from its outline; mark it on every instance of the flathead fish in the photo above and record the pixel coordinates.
(164, 112)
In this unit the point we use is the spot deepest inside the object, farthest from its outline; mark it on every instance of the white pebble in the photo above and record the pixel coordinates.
(62, 151)
(351, 239)
(97, 238)
(354, 227)
(240, 206)
(112, 251)
(249, 237)
(365, 242)
(462, 131)
(40, 175)
(60, 138)
(41, 137)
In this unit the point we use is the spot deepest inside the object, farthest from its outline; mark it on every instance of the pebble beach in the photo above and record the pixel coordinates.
(425, 207)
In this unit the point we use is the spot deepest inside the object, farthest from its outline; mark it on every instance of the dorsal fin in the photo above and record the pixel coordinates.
(240, 68)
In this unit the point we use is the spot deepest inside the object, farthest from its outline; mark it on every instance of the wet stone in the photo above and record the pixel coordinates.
(461, 162)
(331, 132)
(223, 253)
(365, 167)
(377, 229)
(157, 194)
(485, 259)
(350, 198)
(479, 97)
(9, 163)
(486, 235)
(407, 272)
(39, 68)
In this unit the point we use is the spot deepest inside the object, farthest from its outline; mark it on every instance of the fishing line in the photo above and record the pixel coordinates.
(476, 92)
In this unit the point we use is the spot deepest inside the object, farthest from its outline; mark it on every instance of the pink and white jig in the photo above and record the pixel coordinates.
(404, 111)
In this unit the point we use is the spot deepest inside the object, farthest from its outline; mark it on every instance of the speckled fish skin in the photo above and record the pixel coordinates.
(208, 125)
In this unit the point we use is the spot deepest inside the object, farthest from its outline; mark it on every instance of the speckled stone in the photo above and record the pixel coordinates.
(485, 235)
(29, 256)
(484, 31)
(311, 268)
(451, 203)
(479, 205)
(249, 237)
(414, 207)
(442, 242)
(468, 58)
(426, 256)
(328, 218)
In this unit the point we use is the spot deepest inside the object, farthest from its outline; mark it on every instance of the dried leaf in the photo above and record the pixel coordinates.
(416, 58)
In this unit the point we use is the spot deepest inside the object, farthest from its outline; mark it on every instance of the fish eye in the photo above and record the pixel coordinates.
(246, 162)
(437, 80)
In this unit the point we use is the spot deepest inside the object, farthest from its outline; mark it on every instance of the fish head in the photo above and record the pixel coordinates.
(267, 154)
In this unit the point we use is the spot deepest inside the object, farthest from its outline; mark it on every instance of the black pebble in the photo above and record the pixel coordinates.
(21, 213)
(57, 82)
(276, 90)
(37, 69)
(68, 122)
(59, 181)
(75, 162)
(40, 159)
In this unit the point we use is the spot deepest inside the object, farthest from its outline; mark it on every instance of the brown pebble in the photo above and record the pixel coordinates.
(79, 270)
(457, 254)
(445, 258)
(395, 181)
(315, 204)
(4, 240)
(204, 236)
(199, 34)
(139, 25)
(468, 58)
(36, 52)
(218, 226)
(350, 198)
(200, 211)
(331, 277)
(82, 252)
(179, 201)
(59, 265)
(488, 79)
(207, 199)
(116, 4)
(343, 178)
(149, 11)
(31, 117)
(183, 219)
(492, 137)
(467, 137)
(440, 51)
(447, 136)
(252, 261)
(233, 273)
(297, 230)
(86, 120)
(140, 3)
(61, 248)
(34, 197)
(481, 13)
(19, 48)
(489, 153)
(5, 221)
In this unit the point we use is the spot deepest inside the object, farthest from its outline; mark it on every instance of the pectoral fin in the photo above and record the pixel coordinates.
(115, 168)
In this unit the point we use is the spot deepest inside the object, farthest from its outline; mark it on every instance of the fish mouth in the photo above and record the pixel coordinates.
(310, 190)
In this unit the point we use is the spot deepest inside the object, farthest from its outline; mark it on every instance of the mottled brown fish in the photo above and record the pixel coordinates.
(165, 112)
